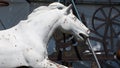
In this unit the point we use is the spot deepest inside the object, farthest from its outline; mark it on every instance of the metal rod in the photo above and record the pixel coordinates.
(2, 24)
(75, 9)
(98, 64)
(87, 39)
(58, 1)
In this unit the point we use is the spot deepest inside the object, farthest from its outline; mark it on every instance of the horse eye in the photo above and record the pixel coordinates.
(60, 8)
(74, 18)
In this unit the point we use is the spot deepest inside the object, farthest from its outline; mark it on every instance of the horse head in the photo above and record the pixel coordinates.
(69, 23)
(56, 5)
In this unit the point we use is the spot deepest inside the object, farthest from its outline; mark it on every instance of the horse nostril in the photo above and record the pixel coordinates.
(82, 35)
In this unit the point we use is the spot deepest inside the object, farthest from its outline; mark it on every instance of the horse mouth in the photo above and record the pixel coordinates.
(83, 36)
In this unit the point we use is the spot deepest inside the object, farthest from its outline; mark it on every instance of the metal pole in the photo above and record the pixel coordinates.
(75, 9)
(3, 25)
(87, 39)
(98, 64)
(58, 1)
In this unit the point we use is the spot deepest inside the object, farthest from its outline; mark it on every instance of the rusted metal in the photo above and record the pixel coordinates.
(71, 54)
(94, 65)
(93, 53)
(107, 21)
(3, 3)
(66, 54)
(118, 54)
(88, 57)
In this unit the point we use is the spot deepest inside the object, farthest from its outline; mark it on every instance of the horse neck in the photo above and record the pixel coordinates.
(45, 27)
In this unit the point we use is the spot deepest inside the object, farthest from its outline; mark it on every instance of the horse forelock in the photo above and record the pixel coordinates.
(56, 5)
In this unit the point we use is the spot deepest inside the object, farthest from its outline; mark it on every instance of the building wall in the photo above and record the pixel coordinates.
(12, 14)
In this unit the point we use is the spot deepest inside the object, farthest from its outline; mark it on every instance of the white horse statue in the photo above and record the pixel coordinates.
(26, 43)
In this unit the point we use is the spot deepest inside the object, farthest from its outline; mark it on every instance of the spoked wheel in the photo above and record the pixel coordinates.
(106, 29)
(106, 24)
(107, 18)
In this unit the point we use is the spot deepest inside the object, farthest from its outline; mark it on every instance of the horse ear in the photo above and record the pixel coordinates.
(68, 9)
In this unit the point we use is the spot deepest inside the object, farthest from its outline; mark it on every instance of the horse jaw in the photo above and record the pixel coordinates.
(81, 35)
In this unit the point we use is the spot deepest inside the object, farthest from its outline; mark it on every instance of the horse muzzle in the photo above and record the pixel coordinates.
(84, 36)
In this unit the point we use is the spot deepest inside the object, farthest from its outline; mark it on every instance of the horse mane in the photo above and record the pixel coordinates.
(43, 9)
(38, 10)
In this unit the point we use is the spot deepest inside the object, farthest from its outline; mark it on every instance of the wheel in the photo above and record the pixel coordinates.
(106, 25)
(106, 22)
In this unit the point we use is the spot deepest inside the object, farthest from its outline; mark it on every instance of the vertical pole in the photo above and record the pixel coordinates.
(58, 1)
(75, 9)
(3, 25)
(98, 64)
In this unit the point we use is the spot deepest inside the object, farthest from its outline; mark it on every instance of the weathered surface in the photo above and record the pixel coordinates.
(26, 43)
